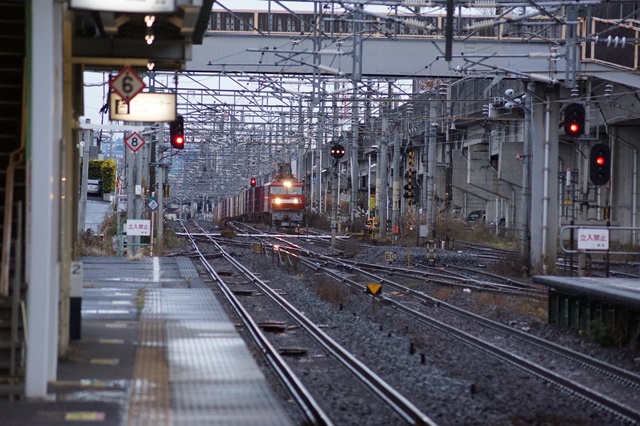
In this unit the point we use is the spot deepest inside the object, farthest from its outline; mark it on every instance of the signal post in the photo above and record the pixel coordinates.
(337, 152)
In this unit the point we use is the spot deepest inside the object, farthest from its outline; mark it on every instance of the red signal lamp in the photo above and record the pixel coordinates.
(253, 182)
(600, 164)
(176, 132)
(574, 128)
(574, 120)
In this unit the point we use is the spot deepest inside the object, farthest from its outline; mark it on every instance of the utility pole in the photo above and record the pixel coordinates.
(397, 179)
(159, 168)
(356, 77)
(133, 171)
(525, 205)
(301, 170)
(85, 144)
(334, 202)
(319, 146)
(355, 173)
(382, 194)
(430, 136)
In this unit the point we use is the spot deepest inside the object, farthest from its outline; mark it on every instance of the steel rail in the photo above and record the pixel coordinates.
(451, 278)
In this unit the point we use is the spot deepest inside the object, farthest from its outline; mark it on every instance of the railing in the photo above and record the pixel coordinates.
(396, 25)
(15, 158)
(616, 44)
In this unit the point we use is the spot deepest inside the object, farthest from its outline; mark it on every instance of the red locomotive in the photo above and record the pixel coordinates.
(278, 203)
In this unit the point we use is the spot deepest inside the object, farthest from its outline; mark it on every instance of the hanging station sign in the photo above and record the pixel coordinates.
(150, 107)
(127, 6)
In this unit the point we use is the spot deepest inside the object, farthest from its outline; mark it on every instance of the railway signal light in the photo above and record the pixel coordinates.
(574, 120)
(337, 151)
(176, 132)
(253, 182)
(600, 164)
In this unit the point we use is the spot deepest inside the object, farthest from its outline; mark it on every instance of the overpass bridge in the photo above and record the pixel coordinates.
(356, 44)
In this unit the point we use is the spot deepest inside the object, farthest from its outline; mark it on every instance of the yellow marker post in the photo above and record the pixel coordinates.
(374, 288)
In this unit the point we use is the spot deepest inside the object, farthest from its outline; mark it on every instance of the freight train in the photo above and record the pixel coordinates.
(279, 203)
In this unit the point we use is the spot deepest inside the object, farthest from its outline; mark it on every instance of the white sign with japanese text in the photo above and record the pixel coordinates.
(140, 227)
(152, 107)
(593, 239)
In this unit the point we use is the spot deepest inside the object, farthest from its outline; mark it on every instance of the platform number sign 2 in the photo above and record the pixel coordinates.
(127, 84)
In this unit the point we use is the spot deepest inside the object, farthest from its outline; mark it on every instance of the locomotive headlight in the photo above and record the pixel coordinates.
(277, 201)
(296, 200)
(287, 183)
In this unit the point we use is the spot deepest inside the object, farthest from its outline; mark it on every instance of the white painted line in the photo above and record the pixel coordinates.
(106, 311)
(156, 269)
(116, 325)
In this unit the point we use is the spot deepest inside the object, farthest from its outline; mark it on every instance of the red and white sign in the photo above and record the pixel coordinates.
(593, 239)
(140, 227)
(127, 84)
(134, 141)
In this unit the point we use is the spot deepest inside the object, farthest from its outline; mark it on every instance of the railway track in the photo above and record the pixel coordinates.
(534, 360)
(393, 399)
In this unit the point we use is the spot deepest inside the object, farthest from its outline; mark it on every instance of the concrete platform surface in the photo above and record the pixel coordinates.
(155, 348)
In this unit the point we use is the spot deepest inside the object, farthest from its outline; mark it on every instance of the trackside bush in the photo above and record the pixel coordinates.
(105, 170)
(108, 171)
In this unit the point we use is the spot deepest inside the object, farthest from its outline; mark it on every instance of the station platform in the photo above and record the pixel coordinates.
(155, 348)
(600, 307)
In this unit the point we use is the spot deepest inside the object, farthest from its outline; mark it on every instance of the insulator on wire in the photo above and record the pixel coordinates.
(330, 70)
(542, 55)
(417, 3)
(487, 23)
(417, 23)
(330, 52)
(616, 41)
(542, 78)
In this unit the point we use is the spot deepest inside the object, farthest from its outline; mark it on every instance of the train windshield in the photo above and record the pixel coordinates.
(286, 190)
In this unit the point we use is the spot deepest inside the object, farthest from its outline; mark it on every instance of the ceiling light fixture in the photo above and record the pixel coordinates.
(149, 37)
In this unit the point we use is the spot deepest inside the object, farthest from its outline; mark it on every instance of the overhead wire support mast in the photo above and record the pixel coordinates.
(571, 47)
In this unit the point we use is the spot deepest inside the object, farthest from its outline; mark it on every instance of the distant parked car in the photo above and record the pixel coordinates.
(476, 215)
(94, 186)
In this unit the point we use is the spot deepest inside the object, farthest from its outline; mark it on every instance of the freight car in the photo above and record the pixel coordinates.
(279, 203)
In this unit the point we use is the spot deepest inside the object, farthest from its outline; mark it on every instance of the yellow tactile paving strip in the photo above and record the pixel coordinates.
(149, 402)
(192, 367)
